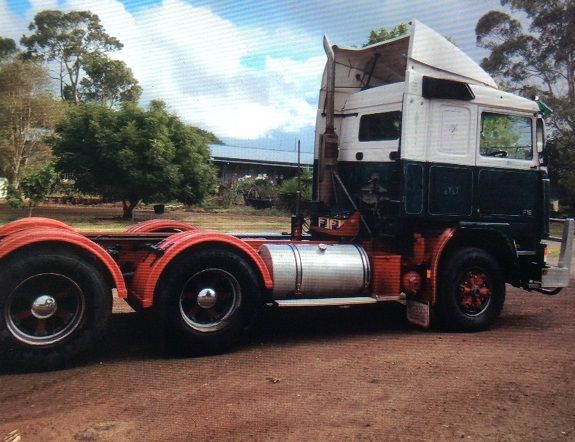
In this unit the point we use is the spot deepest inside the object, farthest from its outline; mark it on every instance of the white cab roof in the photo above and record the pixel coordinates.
(487, 96)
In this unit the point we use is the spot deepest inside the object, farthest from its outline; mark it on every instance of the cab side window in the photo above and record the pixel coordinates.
(506, 136)
(380, 127)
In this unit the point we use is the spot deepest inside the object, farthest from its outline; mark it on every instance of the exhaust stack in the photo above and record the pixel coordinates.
(329, 140)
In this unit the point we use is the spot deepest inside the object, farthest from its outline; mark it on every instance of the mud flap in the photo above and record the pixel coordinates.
(418, 312)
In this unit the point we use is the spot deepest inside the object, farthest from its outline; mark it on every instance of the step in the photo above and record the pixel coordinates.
(326, 302)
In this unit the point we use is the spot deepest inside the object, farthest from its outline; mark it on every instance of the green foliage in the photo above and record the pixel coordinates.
(68, 38)
(259, 187)
(109, 82)
(7, 49)
(134, 155)
(14, 197)
(36, 185)
(27, 112)
(210, 137)
(560, 155)
(539, 60)
(288, 189)
(497, 132)
(377, 36)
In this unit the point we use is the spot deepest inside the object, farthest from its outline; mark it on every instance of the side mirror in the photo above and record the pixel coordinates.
(543, 157)
(394, 156)
(542, 148)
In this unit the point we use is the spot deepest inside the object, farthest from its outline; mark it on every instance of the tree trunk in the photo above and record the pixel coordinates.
(128, 208)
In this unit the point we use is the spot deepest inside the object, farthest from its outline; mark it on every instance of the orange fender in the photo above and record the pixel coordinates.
(437, 250)
(159, 226)
(39, 235)
(32, 222)
(151, 269)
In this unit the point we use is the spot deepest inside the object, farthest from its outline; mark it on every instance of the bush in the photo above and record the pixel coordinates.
(35, 186)
(288, 190)
(260, 187)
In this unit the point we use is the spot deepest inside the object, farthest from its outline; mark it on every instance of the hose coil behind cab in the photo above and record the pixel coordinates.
(316, 269)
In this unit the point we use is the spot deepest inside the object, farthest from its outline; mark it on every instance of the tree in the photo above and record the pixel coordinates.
(134, 155)
(497, 133)
(539, 60)
(7, 49)
(68, 39)
(27, 112)
(38, 184)
(210, 137)
(383, 34)
(109, 82)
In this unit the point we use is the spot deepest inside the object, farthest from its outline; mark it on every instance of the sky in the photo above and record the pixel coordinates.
(247, 70)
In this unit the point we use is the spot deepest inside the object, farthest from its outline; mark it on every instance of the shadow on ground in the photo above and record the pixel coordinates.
(134, 336)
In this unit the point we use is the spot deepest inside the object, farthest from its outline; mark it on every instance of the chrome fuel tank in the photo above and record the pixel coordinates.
(316, 269)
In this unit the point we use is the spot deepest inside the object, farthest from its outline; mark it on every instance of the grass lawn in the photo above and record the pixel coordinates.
(108, 218)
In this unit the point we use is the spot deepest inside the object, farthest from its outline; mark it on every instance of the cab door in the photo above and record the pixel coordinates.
(507, 166)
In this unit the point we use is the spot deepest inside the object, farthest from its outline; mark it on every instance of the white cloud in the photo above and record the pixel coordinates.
(41, 5)
(11, 26)
(192, 59)
(248, 81)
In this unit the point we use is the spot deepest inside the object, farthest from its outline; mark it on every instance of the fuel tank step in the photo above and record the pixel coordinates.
(326, 302)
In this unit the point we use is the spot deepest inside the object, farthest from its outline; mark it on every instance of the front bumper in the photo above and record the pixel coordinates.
(558, 276)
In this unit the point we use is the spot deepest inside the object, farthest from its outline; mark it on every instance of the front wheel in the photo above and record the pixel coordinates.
(207, 299)
(471, 290)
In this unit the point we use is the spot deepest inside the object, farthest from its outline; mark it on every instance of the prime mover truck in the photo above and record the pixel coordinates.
(430, 189)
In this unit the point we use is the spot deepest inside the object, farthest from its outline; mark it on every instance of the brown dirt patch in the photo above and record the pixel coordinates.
(360, 373)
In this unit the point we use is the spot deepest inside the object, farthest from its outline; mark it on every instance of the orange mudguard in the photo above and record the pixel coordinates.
(151, 269)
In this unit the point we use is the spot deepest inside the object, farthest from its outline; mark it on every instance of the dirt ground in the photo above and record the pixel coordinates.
(337, 374)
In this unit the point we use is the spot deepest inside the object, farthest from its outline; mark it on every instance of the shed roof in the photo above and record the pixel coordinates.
(252, 155)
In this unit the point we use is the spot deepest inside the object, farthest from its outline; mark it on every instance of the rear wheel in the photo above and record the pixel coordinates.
(471, 291)
(54, 305)
(207, 300)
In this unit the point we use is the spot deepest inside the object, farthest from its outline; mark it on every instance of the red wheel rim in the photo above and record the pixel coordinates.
(474, 292)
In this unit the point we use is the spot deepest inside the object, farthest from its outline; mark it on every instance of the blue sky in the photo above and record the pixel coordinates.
(247, 70)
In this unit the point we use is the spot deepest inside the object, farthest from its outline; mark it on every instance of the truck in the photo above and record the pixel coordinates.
(430, 189)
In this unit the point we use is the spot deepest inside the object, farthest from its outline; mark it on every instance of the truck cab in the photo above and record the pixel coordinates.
(416, 136)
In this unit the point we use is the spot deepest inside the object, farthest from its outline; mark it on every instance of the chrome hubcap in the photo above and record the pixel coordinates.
(44, 306)
(44, 309)
(207, 298)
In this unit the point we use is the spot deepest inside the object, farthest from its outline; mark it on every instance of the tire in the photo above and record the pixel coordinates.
(471, 291)
(207, 300)
(54, 305)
